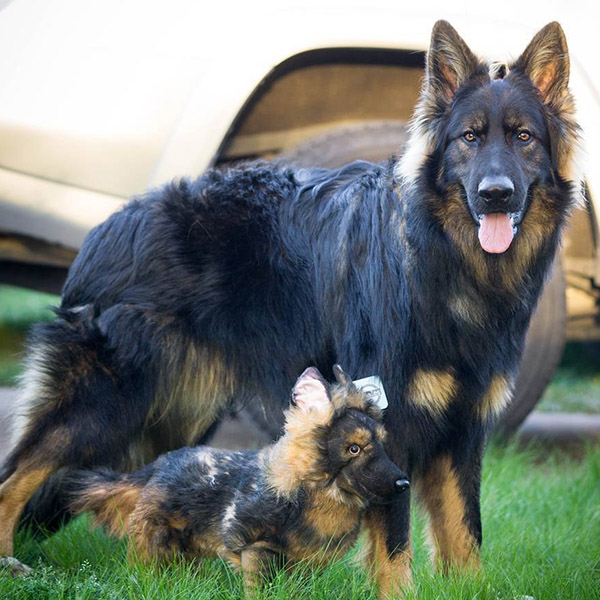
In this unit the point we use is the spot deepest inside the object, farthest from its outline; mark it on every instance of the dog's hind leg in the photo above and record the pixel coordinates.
(449, 490)
(76, 411)
(14, 493)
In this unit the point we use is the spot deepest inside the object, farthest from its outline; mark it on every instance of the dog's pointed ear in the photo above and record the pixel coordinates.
(546, 62)
(341, 376)
(450, 62)
(311, 391)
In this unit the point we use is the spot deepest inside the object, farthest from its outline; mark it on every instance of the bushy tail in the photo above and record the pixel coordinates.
(111, 496)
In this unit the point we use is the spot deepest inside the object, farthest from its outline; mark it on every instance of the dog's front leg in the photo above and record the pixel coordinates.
(390, 551)
(449, 490)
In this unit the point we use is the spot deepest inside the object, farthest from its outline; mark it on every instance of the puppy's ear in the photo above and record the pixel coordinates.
(546, 62)
(341, 376)
(311, 391)
(450, 62)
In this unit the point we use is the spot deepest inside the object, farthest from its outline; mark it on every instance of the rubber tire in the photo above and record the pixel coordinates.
(544, 347)
(374, 141)
(546, 336)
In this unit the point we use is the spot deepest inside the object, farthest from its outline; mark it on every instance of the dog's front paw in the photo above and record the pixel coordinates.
(15, 567)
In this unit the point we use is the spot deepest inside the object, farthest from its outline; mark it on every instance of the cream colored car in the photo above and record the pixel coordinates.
(101, 99)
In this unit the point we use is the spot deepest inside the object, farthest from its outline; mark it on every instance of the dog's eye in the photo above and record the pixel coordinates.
(469, 136)
(524, 136)
(354, 449)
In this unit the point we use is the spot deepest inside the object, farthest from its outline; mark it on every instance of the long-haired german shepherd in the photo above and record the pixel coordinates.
(302, 498)
(224, 288)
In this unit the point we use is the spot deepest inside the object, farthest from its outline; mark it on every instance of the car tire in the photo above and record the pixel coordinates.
(544, 348)
(546, 336)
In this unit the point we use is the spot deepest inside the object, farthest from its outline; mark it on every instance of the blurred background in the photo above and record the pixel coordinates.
(101, 99)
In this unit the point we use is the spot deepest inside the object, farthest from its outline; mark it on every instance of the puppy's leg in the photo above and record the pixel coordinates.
(449, 490)
(390, 552)
(255, 563)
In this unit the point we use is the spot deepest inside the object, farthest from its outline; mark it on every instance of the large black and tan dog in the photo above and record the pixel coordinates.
(300, 499)
(225, 288)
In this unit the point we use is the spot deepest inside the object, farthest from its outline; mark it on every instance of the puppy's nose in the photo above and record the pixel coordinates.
(402, 484)
(496, 190)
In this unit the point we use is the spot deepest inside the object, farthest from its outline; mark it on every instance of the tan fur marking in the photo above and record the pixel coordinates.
(293, 460)
(351, 397)
(432, 390)
(254, 562)
(359, 436)
(329, 518)
(497, 396)
(392, 573)
(14, 494)
(540, 221)
(112, 505)
(468, 310)
(193, 393)
(453, 544)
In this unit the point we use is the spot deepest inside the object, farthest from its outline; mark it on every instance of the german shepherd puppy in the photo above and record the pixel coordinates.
(424, 271)
(301, 498)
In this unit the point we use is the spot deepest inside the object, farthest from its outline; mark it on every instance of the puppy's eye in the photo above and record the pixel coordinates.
(524, 135)
(469, 137)
(354, 449)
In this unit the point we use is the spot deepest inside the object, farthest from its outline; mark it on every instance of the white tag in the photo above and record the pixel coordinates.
(372, 387)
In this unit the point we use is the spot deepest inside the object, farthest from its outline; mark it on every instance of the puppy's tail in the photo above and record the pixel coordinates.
(111, 496)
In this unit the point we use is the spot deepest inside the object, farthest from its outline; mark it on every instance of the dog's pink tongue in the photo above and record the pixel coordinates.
(495, 232)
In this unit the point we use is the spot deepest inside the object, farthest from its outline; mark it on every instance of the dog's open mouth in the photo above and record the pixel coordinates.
(497, 231)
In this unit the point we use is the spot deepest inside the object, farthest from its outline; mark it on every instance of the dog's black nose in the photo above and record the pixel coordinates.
(402, 484)
(496, 190)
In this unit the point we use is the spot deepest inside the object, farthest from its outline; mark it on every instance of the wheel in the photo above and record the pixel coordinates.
(374, 141)
(546, 336)
(544, 348)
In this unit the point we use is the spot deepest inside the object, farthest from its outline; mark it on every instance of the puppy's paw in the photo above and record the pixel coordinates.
(14, 567)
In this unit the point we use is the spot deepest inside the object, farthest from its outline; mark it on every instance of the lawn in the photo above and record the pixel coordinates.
(541, 516)
(19, 310)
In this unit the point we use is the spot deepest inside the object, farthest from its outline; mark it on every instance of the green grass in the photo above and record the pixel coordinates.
(19, 310)
(541, 516)
(576, 385)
